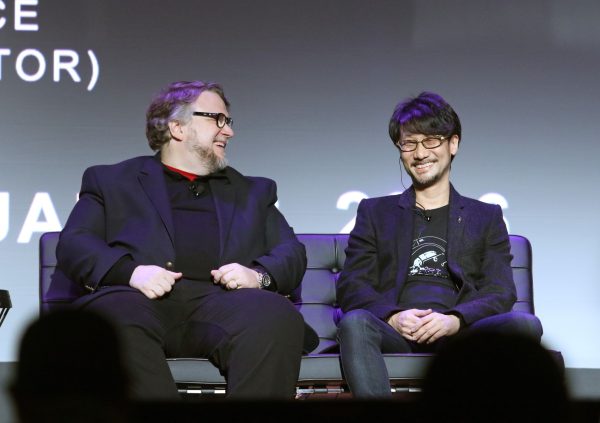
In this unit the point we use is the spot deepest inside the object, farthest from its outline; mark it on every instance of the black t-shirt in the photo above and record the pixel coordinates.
(428, 283)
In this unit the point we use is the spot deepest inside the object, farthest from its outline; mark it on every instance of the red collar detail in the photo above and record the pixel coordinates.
(187, 175)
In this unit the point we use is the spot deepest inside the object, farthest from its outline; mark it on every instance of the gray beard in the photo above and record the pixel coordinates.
(212, 162)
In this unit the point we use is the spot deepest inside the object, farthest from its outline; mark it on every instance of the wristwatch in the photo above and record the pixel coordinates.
(264, 280)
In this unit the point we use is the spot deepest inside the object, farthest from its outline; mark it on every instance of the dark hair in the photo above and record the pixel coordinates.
(427, 114)
(173, 103)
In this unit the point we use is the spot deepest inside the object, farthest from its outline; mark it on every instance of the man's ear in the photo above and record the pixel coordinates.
(176, 130)
(454, 142)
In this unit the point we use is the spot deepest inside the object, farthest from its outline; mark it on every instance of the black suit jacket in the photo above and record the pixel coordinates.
(124, 209)
(379, 250)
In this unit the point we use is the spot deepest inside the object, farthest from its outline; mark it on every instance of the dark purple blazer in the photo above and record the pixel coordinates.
(379, 251)
(124, 209)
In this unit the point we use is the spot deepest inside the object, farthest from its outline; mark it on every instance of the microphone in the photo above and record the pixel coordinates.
(195, 189)
(422, 211)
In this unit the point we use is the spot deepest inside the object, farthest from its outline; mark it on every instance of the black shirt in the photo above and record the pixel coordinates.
(196, 226)
(428, 284)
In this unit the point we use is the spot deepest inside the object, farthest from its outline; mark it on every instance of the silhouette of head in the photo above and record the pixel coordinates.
(494, 377)
(69, 359)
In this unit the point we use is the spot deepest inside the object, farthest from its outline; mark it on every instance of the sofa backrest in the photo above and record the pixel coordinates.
(315, 298)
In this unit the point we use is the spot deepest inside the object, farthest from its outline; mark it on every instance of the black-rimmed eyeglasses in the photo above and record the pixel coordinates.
(429, 143)
(221, 119)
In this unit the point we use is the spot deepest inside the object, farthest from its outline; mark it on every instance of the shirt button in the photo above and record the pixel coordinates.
(169, 265)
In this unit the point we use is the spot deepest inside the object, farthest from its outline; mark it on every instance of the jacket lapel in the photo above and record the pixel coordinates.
(152, 179)
(404, 233)
(224, 197)
(456, 227)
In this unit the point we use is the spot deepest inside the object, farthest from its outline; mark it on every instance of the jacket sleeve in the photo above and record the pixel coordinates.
(486, 275)
(285, 257)
(359, 286)
(82, 252)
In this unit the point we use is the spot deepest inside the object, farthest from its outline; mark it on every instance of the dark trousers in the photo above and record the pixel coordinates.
(363, 338)
(253, 336)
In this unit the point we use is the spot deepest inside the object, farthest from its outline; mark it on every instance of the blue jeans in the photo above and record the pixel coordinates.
(364, 338)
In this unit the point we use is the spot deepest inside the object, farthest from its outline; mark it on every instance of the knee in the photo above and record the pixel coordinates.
(354, 323)
(278, 315)
(526, 324)
(514, 322)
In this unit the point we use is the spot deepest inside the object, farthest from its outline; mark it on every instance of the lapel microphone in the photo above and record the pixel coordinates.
(422, 211)
(195, 189)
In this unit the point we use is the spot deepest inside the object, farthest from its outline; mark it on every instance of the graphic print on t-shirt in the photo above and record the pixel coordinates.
(428, 257)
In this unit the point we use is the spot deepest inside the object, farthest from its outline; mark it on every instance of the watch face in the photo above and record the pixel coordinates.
(265, 280)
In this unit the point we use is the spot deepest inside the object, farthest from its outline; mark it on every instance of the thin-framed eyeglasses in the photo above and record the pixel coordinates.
(221, 119)
(430, 142)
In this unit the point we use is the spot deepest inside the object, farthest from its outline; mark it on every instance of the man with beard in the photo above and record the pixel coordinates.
(188, 257)
(426, 264)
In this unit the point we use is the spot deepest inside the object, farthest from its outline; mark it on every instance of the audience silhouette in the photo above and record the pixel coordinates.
(494, 377)
(71, 369)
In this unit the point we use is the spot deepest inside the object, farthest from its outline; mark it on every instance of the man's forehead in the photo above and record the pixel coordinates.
(210, 100)
(407, 134)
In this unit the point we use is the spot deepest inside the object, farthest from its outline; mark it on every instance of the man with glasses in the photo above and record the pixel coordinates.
(423, 265)
(189, 257)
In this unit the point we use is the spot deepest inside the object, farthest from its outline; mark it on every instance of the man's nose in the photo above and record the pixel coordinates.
(227, 131)
(421, 152)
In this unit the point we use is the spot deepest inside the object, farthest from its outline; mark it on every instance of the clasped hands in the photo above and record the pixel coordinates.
(155, 281)
(424, 326)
